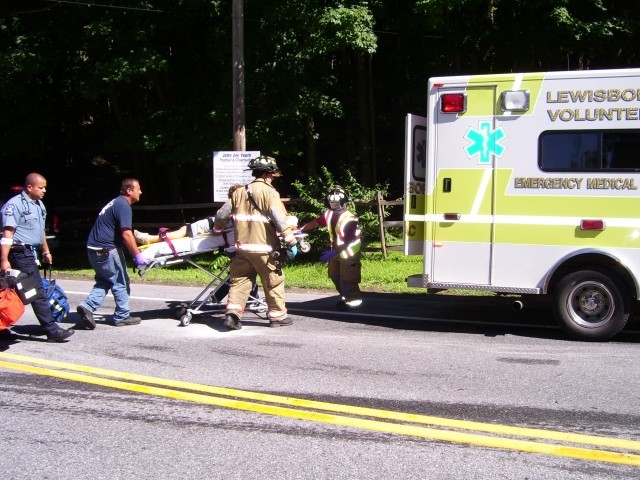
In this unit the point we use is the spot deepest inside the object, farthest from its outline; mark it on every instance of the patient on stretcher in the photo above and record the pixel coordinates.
(192, 238)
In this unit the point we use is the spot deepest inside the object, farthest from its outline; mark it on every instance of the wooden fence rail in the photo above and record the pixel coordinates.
(384, 224)
(84, 216)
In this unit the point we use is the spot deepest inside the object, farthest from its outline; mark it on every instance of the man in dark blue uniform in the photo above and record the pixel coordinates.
(23, 242)
(111, 233)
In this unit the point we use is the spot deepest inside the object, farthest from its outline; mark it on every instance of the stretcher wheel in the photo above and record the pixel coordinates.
(180, 311)
(305, 247)
(261, 307)
(185, 319)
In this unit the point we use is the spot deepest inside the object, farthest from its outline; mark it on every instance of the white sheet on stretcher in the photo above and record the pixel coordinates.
(187, 245)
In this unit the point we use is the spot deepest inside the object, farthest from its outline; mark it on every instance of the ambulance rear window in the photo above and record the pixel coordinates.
(590, 150)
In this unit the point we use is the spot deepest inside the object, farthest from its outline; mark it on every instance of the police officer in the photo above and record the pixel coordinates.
(259, 216)
(24, 243)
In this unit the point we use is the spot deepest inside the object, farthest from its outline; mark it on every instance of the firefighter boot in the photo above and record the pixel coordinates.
(232, 321)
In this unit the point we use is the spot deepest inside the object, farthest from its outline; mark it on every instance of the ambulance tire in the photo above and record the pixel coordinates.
(592, 305)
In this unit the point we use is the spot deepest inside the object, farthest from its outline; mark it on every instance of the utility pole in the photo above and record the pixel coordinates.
(237, 57)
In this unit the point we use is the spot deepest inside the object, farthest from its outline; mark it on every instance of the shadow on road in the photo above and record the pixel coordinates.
(483, 315)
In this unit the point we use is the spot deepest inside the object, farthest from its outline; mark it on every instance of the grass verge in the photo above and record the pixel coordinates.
(305, 272)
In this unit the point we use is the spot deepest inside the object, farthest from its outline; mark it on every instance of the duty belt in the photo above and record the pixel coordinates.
(19, 247)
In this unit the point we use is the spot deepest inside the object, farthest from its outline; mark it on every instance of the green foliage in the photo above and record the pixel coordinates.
(348, 27)
(303, 56)
(557, 34)
(314, 192)
(91, 91)
(378, 274)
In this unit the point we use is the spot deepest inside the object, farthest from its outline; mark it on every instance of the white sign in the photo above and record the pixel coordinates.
(229, 168)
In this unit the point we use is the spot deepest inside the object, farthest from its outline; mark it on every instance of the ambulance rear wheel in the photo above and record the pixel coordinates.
(592, 304)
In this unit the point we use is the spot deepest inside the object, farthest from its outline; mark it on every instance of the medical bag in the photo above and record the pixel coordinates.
(11, 306)
(56, 297)
(26, 286)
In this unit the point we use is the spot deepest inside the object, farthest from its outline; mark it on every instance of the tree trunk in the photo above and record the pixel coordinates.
(312, 158)
(239, 137)
(364, 153)
(372, 121)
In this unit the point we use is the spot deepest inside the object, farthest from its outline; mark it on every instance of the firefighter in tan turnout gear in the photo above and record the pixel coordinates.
(258, 217)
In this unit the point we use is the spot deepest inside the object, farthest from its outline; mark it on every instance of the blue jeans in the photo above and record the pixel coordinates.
(111, 274)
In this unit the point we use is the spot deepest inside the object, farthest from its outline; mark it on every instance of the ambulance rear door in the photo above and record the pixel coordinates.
(415, 174)
(465, 144)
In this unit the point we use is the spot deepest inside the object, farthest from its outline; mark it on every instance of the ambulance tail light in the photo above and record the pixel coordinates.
(515, 101)
(453, 103)
(592, 225)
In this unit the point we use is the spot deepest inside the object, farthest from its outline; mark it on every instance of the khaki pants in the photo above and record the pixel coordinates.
(245, 267)
(345, 273)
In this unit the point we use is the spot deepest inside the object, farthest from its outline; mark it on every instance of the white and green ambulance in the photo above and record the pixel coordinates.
(529, 184)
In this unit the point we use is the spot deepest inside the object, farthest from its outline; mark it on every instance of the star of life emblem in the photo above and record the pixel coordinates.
(485, 142)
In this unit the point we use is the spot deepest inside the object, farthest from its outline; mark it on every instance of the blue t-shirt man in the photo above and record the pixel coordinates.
(110, 235)
(106, 231)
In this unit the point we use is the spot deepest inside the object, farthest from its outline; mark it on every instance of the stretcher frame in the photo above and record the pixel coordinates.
(205, 303)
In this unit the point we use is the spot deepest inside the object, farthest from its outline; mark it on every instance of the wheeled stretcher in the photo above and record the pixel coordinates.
(212, 298)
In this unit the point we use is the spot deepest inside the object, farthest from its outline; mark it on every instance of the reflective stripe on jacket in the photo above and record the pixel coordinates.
(347, 247)
(253, 231)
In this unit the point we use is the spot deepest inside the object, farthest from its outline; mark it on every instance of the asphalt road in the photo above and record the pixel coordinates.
(409, 387)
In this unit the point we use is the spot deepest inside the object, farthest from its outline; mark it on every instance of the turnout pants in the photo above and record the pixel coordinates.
(345, 273)
(245, 266)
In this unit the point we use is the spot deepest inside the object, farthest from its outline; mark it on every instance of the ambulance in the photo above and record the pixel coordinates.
(528, 184)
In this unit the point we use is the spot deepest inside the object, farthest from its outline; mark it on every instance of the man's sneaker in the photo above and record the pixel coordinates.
(86, 319)
(142, 238)
(128, 321)
(282, 322)
(232, 321)
(60, 336)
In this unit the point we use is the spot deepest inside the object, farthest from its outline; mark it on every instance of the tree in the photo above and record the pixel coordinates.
(143, 88)
(306, 56)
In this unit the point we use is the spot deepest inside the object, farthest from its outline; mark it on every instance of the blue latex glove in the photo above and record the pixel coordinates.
(140, 260)
(327, 255)
(292, 251)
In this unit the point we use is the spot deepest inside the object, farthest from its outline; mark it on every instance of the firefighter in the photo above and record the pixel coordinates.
(343, 259)
(260, 230)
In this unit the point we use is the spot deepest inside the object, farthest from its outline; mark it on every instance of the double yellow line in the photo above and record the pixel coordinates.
(532, 440)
